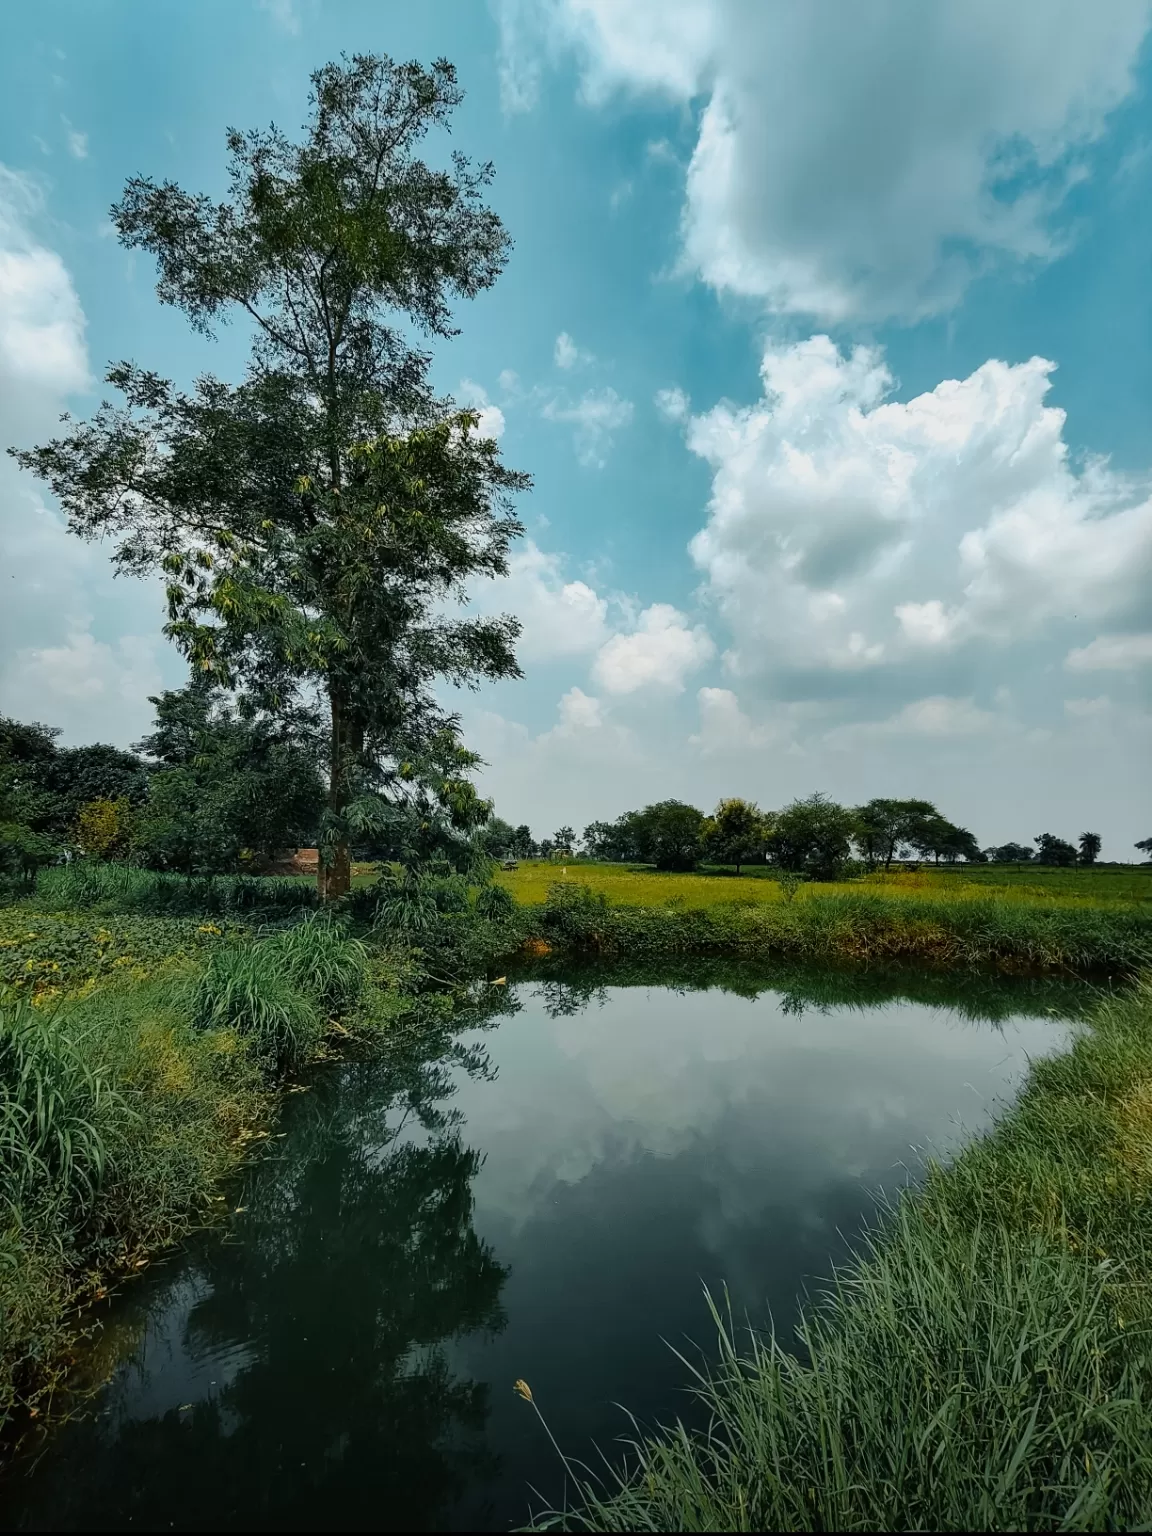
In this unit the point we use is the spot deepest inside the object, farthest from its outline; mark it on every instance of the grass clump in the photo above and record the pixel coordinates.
(983, 1364)
(99, 886)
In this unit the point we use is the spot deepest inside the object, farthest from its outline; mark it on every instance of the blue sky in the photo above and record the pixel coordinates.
(774, 342)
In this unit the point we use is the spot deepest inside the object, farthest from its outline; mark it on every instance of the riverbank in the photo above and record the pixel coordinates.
(982, 1366)
(141, 1059)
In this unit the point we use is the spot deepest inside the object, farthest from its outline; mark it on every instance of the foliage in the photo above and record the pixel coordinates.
(668, 834)
(1054, 850)
(44, 787)
(736, 833)
(52, 1104)
(981, 1366)
(811, 837)
(1145, 846)
(314, 520)
(885, 826)
(495, 904)
(1010, 853)
(23, 853)
(227, 784)
(104, 827)
(120, 888)
(1090, 844)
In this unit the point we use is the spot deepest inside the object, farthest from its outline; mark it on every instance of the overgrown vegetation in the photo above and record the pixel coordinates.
(983, 1365)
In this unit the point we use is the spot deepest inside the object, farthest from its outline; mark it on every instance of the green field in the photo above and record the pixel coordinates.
(640, 885)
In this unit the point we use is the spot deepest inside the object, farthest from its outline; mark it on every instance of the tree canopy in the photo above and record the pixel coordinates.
(315, 521)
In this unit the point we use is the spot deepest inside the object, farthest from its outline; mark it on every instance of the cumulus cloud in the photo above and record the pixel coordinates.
(559, 617)
(596, 416)
(52, 665)
(849, 533)
(1112, 653)
(853, 162)
(659, 652)
(567, 354)
(673, 404)
(491, 416)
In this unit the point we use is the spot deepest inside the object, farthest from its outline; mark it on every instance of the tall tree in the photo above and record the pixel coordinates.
(1054, 850)
(883, 826)
(313, 520)
(1090, 845)
(1145, 846)
(736, 833)
(812, 837)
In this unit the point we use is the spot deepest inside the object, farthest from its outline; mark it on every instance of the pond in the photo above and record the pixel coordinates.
(546, 1200)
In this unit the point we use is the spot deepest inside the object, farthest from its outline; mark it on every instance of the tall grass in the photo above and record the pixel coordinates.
(862, 926)
(279, 991)
(52, 1104)
(122, 888)
(983, 1364)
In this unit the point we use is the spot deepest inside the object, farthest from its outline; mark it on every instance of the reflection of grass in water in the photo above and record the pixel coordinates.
(983, 1366)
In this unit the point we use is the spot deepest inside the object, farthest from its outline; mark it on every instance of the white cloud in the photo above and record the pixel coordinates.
(725, 730)
(567, 354)
(579, 712)
(1112, 653)
(57, 591)
(936, 716)
(659, 652)
(848, 532)
(41, 321)
(596, 416)
(673, 404)
(559, 617)
(491, 416)
(850, 161)
(77, 142)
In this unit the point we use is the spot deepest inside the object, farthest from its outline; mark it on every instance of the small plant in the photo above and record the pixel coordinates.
(790, 883)
(319, 959)
(245, 987)
(51, 1106)
(495, 904)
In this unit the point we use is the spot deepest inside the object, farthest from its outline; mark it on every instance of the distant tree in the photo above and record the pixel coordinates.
(523, 844)
(225, 782)
(938, 838)
(613, 841)
(1090, 845)
(812, 837)
(1011, 853)
(1054, 850)
(1145, 846)
(884, 826)
(736, 833)
(668, 834)
(103, 827)
(565, 837)
(498, 837)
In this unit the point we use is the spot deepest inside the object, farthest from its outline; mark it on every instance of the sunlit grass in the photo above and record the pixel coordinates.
(631, 885)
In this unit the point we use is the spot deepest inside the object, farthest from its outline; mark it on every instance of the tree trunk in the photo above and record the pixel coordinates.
(335, 879)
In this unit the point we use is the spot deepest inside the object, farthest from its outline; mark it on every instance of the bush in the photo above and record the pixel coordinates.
(495, 904)
(51, 1106)
(318, 957)
(245, 988)
(574, 913)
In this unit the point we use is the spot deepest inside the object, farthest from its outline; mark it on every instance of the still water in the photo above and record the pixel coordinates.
(547, 1200)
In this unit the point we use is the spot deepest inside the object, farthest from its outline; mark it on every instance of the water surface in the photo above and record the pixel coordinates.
(547, 1202)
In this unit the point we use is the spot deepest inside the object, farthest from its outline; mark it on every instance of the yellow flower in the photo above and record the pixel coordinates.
(207, 928)
(523, 1390)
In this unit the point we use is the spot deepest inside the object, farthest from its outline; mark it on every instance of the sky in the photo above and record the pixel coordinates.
(825, 338)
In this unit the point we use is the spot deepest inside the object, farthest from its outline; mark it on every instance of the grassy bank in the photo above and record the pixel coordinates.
(129, 1091)
(984, 1365)
(862, 925)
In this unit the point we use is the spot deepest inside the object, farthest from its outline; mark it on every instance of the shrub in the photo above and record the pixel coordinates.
(317, 956)
(495, 904)
(51, 1106)
(574, 913)
(244, 987)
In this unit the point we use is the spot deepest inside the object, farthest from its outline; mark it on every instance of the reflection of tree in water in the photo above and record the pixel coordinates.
(564, 999)
(354, 1264)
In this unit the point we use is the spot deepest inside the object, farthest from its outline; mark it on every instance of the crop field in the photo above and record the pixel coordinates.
(635, 885)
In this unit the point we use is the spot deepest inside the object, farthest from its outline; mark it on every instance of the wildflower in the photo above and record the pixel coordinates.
(523, 1390)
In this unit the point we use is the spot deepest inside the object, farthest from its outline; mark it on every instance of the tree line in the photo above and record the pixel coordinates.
(813, 836)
